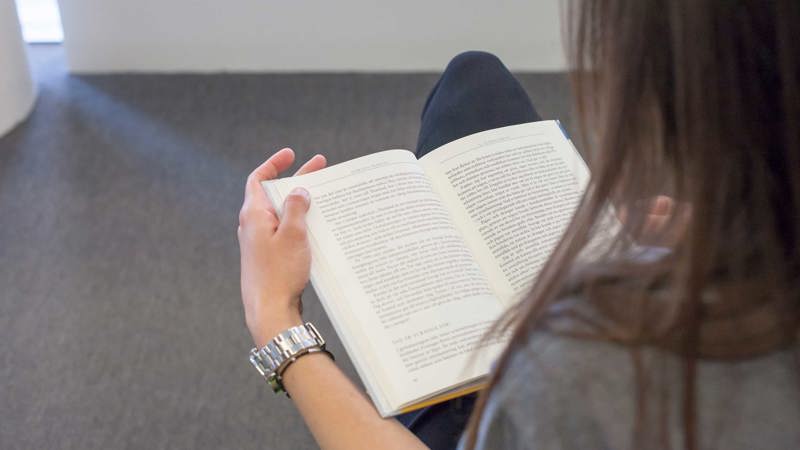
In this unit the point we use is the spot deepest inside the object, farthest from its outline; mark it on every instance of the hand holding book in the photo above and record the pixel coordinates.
(275, 267)
(275, 256)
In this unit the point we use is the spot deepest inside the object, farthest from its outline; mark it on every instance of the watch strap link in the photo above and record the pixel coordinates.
(284, 349)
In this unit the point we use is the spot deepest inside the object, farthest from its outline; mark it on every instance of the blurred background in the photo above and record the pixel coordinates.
(126, 132)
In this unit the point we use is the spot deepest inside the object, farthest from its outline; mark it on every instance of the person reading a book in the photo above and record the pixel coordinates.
(651, 304)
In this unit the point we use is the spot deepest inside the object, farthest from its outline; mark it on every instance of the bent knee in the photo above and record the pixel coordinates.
(474, 60)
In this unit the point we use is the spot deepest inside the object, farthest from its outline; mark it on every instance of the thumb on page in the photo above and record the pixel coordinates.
(295, 207)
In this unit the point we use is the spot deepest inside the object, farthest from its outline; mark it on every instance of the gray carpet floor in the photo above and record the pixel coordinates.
(120, 317)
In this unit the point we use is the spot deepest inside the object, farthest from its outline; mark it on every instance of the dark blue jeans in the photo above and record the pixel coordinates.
(475, 93)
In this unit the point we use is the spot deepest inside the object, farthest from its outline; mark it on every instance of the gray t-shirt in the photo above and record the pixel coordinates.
(564, 393)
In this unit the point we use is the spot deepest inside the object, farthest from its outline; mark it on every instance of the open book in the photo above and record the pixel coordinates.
(413, 259)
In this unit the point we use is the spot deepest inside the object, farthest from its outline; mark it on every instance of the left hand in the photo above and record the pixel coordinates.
(275, 256)
(664, 222)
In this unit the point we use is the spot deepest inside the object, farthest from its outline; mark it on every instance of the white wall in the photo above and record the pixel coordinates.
(306, 35)
(17, 91)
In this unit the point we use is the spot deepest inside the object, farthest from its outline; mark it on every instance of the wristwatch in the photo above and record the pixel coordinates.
(284, 349)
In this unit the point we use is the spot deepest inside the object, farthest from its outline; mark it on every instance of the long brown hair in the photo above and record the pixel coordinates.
(699, 100)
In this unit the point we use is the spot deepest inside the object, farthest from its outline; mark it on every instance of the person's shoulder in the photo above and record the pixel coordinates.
(560, 360)
(563, 358)
(565, 368)
(559, 392)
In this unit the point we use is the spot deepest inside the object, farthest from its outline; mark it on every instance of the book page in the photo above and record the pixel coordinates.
(512, 191)
(410, 301)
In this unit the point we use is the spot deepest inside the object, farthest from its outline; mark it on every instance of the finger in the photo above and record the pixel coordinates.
(274, 165)
(293, 223)
(655, 225)
(662, 205)
(268, 170)
(317, 162)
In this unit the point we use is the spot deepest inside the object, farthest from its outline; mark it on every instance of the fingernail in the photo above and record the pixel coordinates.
(301, 192)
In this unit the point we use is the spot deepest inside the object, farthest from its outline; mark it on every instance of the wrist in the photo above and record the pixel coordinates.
(274, 323)
(289, 346)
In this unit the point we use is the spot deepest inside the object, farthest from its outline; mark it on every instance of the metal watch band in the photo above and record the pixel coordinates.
(273, 359)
